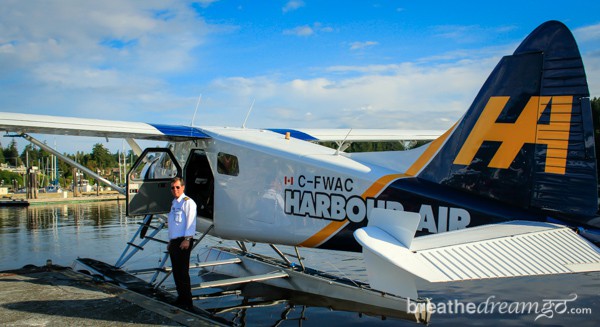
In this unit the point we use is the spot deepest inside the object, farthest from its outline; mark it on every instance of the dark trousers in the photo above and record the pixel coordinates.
(180, 260)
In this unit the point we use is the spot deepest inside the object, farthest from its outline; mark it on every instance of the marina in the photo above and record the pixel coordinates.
(100, 230)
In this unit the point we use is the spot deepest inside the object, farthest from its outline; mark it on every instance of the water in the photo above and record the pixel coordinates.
(62, 233)
(100, 231)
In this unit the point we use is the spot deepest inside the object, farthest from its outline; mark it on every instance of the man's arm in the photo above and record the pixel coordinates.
(190, 209)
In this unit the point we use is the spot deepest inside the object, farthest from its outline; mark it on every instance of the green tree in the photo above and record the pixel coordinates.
(34, 154)
(101, 158)
(11, 154)
(1, 154)
(6, 178)
(596, 112)
(375, 146)
(596, 118)
(65, 172)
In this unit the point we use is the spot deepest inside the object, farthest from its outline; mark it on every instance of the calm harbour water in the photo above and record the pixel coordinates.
(100, 231)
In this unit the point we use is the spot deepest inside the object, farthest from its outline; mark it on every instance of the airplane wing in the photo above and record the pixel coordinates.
(44, 124)
(28, 123)
(360, 135)
(511, 249)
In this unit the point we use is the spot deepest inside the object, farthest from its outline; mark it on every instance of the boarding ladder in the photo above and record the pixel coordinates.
(140, 239)
(132, 247)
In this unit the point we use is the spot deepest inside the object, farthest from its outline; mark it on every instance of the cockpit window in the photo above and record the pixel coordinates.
(155, 165)
(164, 167)
(227, 164)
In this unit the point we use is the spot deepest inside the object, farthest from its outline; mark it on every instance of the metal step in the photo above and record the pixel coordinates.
(143, 271)
(208, 264)
(135, 246)
(149, 226)
(157, 240)
(216, 263)
(242, 280)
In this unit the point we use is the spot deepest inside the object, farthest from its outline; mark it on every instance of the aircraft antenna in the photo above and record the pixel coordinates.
(248, 114)
(337, 152)
(195, 111)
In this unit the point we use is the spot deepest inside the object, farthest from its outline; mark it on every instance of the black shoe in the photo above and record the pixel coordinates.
(191, 309)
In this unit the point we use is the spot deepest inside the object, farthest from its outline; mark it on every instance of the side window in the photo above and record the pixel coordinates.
(154, 165)
(140, 172)
(164, 167)
(227, 164)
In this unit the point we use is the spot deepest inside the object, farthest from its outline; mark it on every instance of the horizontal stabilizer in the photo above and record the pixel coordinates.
(516, 248)
(27, 123)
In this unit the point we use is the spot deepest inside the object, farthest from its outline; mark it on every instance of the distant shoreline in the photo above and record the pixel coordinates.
(61, 197)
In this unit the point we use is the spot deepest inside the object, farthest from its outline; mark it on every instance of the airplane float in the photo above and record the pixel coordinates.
(510, 190)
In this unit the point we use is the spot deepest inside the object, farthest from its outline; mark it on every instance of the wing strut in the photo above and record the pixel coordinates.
(74, 164)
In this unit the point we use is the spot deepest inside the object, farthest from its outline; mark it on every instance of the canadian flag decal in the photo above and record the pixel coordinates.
(288, 180)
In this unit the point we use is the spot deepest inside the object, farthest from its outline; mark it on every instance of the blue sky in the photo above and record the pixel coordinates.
(318, 64)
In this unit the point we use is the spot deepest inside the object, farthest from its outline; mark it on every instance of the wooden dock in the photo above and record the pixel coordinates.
(13, 203)
(57, 296)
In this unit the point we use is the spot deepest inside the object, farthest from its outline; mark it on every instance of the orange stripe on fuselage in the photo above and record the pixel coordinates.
(433, 148)
(334, 226)
(323, 234)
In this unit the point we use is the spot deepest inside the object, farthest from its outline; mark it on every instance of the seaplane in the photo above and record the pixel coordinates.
(511, 189)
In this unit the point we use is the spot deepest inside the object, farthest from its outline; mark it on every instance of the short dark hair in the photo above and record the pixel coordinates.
(178, 179)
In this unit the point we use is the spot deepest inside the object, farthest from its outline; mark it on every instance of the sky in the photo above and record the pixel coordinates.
(303, 63)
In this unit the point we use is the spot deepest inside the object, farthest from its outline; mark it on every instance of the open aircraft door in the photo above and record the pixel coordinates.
(149, 180)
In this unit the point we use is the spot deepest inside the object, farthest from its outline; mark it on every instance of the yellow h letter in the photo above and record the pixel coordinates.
(525, 130)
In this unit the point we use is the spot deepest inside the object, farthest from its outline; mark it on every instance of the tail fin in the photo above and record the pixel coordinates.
(527, 140)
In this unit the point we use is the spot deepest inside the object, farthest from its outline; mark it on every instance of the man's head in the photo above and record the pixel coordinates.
(177, 186)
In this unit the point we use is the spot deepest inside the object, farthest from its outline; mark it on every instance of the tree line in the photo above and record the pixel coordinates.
(596, 118)
(99, 160)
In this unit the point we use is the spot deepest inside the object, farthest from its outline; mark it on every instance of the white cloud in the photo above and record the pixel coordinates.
(587, 33)
(293, 5)
(111, 55)
(588, 38)
(591, 62)
(319, 27)
(206, 3)
(362, 45)
(300, 31)
(161, 37)
(307, 30)
(469, 33)
(405, 95)
(454, 31)
(366, 69)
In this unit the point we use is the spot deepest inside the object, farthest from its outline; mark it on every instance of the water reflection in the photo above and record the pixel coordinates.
(256, 304)
(62, 233)
(77, 214)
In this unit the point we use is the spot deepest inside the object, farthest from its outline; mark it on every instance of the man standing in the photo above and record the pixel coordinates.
(182, 227)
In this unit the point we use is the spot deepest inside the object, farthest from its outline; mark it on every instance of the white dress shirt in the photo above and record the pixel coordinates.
(182, 218)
